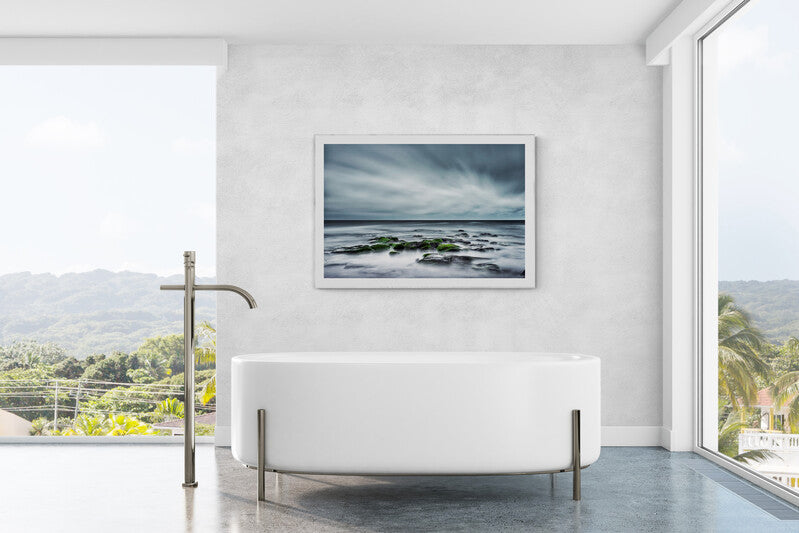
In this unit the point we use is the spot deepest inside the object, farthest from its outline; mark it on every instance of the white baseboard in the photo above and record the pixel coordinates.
(222, 436)
(611, 436)
(632, 436)
(665, 438)
(674, 441)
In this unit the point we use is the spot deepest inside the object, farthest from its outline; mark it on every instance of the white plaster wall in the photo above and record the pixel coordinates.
(597, 113)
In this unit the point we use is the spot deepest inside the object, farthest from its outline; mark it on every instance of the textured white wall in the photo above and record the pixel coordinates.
(597, 113)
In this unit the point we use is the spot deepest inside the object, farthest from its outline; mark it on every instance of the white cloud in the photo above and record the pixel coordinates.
(186, 146)
(117, 226)
(63, 132)
(740, 46)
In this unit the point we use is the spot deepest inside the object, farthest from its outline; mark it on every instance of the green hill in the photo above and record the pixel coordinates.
(774, 305)
(94, 312)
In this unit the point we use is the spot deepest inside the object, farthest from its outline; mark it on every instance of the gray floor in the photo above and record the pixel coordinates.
(118, 487)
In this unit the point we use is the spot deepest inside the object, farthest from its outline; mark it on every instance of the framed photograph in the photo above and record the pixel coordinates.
(425, 211)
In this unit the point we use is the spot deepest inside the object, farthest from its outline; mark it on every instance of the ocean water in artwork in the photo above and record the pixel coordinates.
(424, 249)
(424, 211)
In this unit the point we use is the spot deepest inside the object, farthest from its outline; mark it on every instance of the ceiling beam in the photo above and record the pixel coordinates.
(114, 51)
(686, 19)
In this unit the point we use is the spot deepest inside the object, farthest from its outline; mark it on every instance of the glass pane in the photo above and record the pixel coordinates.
(107, 176)
(750, 83)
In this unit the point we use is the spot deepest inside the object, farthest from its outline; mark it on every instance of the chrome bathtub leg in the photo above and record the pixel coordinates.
(576, 454)
(261, 455)
(552, 481)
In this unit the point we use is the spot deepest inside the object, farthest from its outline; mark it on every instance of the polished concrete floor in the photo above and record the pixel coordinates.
(124, 487)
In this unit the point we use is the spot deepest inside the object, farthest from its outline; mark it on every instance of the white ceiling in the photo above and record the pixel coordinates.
(342, 21)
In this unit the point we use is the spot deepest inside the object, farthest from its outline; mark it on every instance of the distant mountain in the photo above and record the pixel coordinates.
(774, 305)
(94, 312)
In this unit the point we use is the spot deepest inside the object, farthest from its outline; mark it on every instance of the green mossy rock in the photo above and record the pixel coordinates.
(353, 249)
(448, 248)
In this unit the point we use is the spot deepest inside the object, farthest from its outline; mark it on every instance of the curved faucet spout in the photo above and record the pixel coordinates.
(230, 288)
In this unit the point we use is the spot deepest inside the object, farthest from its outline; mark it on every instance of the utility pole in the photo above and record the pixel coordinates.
(55, 411)
(77, 400)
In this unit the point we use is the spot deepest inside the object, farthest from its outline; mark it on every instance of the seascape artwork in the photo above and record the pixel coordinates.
(425, 211)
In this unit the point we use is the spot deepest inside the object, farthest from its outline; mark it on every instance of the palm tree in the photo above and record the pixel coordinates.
(89, 426)
(39, 427)
(31, 359)
(122, 425)
(729, 430)
(116, 425)
(739, 354)
(156, 365)
(205, 353)
(786, 390)
(170, 407)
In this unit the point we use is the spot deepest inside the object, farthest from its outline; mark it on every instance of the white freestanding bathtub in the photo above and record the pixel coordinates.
(416, 413)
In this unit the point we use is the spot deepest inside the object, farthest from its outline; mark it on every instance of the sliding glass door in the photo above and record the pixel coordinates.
(749, 199)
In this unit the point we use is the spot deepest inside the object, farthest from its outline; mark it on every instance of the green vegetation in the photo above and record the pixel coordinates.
(205, 356)
(786, 386)
(729, 429)
(116, 394)
(747, 363)
(394, 245)
(170, 408)
(740, 362)
(773, 305)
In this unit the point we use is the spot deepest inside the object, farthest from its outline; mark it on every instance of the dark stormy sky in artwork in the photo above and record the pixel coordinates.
(424, 181)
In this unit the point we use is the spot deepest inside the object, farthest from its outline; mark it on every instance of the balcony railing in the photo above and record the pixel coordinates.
(768, 441)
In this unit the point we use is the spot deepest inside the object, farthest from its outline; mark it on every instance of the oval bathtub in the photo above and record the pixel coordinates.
(415, 413)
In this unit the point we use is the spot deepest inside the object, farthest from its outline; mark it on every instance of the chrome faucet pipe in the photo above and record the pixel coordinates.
(230, 288)
(190, 287)
(188, 370)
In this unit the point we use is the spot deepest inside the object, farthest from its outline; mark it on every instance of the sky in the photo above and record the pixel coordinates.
(758, 131)
(107, 167)
(424, 181)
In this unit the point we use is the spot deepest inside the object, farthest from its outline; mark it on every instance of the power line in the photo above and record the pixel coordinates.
(65, 380)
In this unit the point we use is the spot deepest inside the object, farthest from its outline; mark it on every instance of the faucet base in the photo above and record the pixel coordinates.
(189, 485)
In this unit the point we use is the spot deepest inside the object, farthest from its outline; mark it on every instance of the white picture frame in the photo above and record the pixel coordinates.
(527, 279)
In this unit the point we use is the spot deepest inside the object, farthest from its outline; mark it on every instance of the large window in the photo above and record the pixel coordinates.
(750, 239)
(108, 175)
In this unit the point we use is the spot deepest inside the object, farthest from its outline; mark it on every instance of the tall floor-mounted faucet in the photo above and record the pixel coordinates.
(189, 288)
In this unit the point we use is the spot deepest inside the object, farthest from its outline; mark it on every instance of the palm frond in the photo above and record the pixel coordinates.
(755, 456)
(208, 391)
(739, 353)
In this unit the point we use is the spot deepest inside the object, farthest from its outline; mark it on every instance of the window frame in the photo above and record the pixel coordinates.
(75, 51)
(700, 253)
